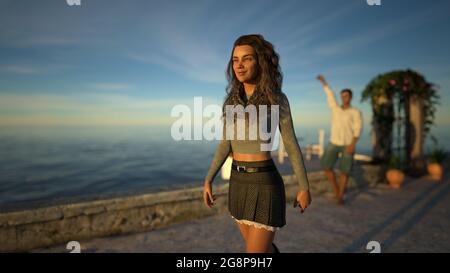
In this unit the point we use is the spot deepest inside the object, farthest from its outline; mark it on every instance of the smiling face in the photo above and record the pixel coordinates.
(245, 65)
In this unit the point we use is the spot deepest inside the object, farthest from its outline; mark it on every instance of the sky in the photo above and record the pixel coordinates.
(109, 62)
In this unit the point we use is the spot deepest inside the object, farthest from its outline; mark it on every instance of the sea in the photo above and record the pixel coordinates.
(42, 166)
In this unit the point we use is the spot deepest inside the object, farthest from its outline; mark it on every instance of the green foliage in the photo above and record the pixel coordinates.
(399, 83)
(402, 83)
(394, 162)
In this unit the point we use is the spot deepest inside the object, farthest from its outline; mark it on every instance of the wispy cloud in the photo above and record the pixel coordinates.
(25, 68)
(57, 41)
(111, 86)
(203, 56)
(374, 34)
(22, 69)
(114, 45)
(185, 53)
(187, 63)
(303, 34)
(88, 109)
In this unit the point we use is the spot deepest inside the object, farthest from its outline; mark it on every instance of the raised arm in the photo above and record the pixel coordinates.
(291, 144)
(331, 98)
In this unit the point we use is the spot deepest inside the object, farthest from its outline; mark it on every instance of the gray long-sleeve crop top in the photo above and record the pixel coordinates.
(249, 146)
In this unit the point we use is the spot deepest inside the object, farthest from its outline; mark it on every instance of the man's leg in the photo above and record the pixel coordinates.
(328, 160)
(345, 167)
(329, 173)
(343, 178)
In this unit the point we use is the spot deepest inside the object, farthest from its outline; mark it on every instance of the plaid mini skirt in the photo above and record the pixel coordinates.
(257, 199)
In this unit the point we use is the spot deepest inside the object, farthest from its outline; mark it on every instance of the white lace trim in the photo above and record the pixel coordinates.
(255, 224)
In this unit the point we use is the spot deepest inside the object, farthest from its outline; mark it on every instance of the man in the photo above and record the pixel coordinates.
(346, 127)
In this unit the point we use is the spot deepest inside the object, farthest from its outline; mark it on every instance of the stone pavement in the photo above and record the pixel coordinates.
(415, 218)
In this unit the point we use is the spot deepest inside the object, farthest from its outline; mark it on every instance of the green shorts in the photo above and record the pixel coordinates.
(331, 155)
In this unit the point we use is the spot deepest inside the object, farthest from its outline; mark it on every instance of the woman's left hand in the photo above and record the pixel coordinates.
(304, 199)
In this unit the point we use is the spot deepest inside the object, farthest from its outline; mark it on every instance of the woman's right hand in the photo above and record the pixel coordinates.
(208, 197)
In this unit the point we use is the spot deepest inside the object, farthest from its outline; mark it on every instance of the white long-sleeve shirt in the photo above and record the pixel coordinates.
(346, 124)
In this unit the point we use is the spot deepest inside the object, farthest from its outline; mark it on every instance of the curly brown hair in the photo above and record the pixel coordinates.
(269, 78)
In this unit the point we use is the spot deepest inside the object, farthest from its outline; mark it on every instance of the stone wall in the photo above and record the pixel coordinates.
(36, 228)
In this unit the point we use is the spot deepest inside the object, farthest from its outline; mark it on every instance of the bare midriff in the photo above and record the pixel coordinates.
(251, 157)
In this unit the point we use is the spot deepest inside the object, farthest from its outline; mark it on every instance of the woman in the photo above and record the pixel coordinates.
(256, 198)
